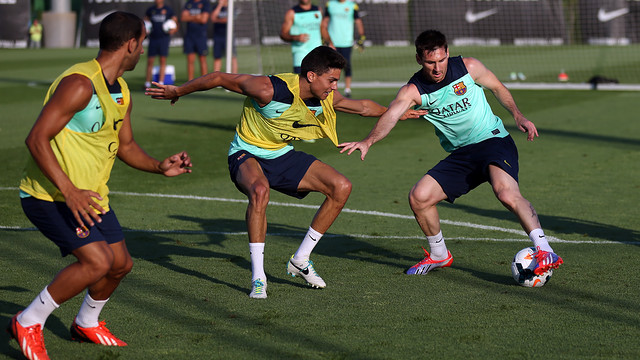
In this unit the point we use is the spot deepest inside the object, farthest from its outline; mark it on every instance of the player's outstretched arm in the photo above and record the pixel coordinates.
(407, 97)
(369, 108)
(489, 80)
(257, 87)
(133, 155)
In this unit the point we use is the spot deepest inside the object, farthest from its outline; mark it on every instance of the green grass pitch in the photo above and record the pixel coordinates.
(187, 294)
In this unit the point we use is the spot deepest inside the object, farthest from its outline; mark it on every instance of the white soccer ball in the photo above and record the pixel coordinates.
(522, 269)
(169, 25)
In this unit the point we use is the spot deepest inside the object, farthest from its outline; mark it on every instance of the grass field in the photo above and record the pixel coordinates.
(187, 294)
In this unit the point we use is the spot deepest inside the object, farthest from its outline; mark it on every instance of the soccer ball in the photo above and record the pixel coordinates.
(522, 269)
(169, 25)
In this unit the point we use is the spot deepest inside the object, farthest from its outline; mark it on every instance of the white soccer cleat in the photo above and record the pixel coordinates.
(306, 270)
(259, 289)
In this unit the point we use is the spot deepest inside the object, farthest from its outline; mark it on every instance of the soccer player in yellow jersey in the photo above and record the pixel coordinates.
(84, 125)
(279, 109)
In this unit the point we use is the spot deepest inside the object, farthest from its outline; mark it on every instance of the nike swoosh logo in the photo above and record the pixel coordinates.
(97, 19)
(432, 102)
(42, 301)
(296, 125)
(472, 17)
(605, 16)
(311, 237)
(280, 111)
(304, 271)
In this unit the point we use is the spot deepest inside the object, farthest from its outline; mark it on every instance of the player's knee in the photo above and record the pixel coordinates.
(259, 194)
(342, 189)
(120, 269)
(509, 199)
(419, 199)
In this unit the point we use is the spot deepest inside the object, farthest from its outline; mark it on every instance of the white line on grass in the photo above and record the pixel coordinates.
(361, 212)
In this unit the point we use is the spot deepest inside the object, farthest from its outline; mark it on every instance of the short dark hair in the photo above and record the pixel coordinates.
(430, 40)
(320, 60)
(118, 28)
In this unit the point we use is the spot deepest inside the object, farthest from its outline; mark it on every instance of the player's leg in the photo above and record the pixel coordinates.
(322, 178)
(191, 58)
(251, 181)
(86, 326)
(204, 68)
(423, 199)
(162, 69)
(150, 61)
(506, 189)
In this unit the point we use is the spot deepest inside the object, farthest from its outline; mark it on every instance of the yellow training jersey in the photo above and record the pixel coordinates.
(86, 158)
(296, 122)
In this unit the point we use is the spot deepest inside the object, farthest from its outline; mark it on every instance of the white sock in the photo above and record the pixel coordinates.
(147, 84)
(89, 312)
(39, 310)
(437, 246)
(256, 250)
(540, 240)
(308, 243)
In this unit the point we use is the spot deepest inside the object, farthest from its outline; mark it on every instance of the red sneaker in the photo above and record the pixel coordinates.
(546, 261)
(427, 264)
(29, 338)
(97, 335)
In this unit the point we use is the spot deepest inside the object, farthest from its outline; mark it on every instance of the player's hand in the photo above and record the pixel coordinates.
(303, 38)
(163, 92)
(413, 114)
(83, 206)
(360, 43)
(527, 126)
(363, 146)
(177, 164)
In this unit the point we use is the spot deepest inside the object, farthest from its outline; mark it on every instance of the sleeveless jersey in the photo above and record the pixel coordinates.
(278, 123)
(85, 155)
(305, 22)
(457, 107)
(341, 17)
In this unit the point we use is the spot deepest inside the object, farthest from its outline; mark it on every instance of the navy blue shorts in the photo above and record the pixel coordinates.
(195, 44)
(468, 167)
(220, 47)
(56, 222)
(284, 173)
(346, 53)
(158, 46)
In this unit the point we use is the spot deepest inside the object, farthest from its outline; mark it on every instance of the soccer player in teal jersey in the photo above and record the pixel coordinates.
(301, 27)
(340, 16)
(481, 150)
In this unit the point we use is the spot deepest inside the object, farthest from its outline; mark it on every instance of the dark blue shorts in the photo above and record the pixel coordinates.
(220, 47)
(56, 222)
(195, 44)
(346, 53)
(158, 46)
(468, 167)
(284, 173)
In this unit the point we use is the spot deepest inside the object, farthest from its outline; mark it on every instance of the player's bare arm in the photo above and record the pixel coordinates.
(71, 96)
(366, 107)
(256, 87)
(489, 80)
(285, 34)
(407, 97)
(133, 155)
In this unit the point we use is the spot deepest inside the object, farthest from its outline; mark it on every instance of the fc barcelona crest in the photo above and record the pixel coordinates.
(460, 88)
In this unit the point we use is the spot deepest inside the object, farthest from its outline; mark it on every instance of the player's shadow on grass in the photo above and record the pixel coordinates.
(220, 230)
(565, 225)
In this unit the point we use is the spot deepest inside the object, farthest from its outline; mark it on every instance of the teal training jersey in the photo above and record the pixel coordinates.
(341, 19)
(305, 22)
(457, 107)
